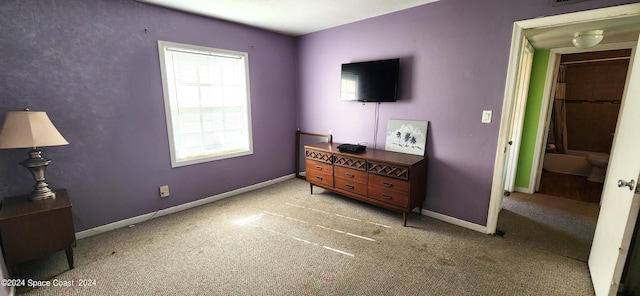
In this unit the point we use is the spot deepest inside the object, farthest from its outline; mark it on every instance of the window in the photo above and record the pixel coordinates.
(207, 102)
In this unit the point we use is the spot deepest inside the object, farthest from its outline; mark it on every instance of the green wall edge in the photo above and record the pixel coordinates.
(532, 117)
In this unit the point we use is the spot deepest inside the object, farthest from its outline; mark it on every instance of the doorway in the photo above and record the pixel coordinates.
(619, 207)
(560, 217)
(583, 113)
(553, 32)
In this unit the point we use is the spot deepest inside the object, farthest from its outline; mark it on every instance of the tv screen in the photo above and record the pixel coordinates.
(371, 81)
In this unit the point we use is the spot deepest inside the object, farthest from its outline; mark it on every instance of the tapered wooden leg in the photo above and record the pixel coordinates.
(404, 218)
(14, 271)
(69, 252)
(311, 188)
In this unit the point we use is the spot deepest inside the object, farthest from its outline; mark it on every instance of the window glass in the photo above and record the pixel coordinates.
(207, 102)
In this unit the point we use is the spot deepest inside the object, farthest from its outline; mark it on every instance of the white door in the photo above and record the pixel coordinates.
(619, 208)
(515, 137)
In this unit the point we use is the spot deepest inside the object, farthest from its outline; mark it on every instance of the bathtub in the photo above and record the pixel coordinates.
(574, 162)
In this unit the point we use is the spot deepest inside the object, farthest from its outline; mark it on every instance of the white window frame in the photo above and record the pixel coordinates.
(169, 84)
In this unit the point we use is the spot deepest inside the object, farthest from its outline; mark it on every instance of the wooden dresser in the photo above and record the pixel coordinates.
(392, 180)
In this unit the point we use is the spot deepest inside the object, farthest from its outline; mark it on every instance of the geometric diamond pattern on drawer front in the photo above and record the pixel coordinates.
(318, 155)
(389, 170)
(349, 162)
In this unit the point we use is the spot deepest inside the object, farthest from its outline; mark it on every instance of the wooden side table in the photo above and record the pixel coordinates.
(32, 229)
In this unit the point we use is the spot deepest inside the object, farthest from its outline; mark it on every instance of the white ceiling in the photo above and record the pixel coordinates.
(291, 17)
(616, 30)
(299, 17)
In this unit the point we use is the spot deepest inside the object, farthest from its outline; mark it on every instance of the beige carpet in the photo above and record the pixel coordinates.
(555, 224)
(281, 240)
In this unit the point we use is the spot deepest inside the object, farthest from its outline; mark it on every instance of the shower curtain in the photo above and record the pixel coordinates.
(558, 114)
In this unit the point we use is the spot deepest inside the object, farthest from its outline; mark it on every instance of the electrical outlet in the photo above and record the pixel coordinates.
(164, 191)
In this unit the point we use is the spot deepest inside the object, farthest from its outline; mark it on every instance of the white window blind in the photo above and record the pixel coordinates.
(207, 102)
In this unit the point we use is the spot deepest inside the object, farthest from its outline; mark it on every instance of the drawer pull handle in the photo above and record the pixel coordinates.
(318, 167)
(387, 196)
(350, 175)
(319, 178)
(349, 186)
(387, 184)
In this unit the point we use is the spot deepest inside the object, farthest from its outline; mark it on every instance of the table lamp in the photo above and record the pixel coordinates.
(31, 129)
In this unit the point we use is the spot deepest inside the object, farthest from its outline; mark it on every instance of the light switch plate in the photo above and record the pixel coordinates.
(486, 116)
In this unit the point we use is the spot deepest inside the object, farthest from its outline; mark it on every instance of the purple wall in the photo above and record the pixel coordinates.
(454, 57)
(91, 66)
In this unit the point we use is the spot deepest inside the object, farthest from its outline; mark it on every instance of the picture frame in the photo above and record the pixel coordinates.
(407, 136)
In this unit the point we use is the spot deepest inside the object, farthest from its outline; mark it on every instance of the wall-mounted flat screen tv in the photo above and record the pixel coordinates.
(370, 81)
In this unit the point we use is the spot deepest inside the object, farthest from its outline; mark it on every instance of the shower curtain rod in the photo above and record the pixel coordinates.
(595, 60)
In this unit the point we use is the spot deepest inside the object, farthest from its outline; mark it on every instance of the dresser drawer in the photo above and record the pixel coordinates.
(389, 184)
(349, 161)
(350, 174)
(350, 185)
(320, 156)
(389, 196)
(316, 177)
(319, 167)
(319, 172)
(389, 170)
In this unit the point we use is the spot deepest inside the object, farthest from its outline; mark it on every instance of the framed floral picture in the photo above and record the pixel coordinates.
(407, 136)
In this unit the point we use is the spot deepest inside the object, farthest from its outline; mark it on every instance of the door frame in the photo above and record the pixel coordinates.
(519, 107)
(507, 121)
(547, 103)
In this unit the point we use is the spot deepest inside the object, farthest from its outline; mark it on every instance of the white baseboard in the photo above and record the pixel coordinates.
(455, 221)
(175, 209)
(527, 190)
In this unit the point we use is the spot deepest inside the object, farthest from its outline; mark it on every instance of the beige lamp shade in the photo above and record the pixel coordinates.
(29, 129)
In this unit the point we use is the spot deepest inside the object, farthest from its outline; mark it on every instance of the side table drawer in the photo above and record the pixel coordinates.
(36, 235)
(32, 229)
